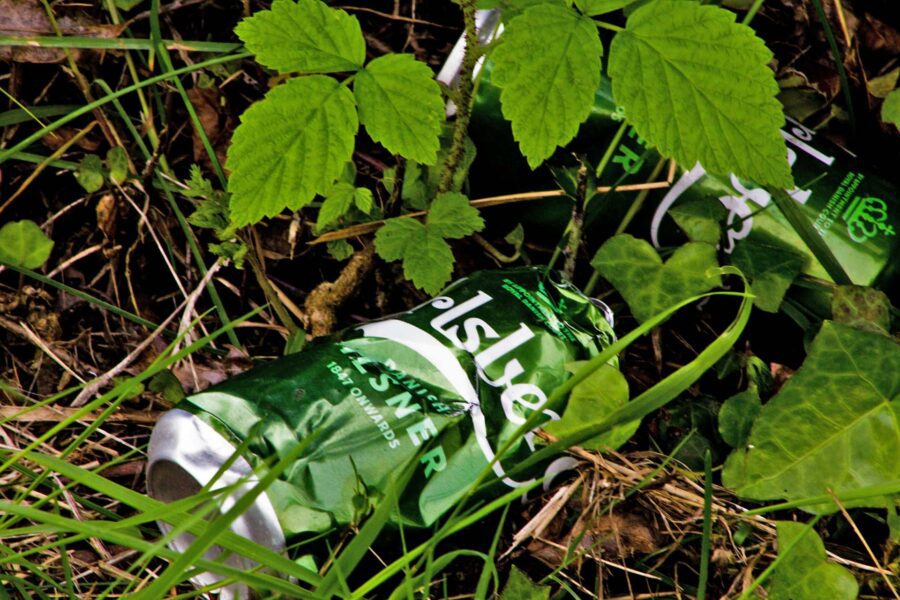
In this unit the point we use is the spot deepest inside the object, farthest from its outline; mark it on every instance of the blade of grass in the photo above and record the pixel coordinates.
(838, 61)
(807, 232)
(94, 43)
(34, 113)
(706, 543)
(34, 137)
(872, 491)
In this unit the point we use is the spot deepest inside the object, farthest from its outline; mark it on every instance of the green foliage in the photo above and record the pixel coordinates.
(427, 258)
(595, 8)
(700, 220)
(737, 414)
(212, 213)
(117, 163)
(591, 401)
(290, 147)
(23, 244)
(771, 265)
(890, 110)
(697, 86)
(803, 573)
(834, 425)
(293, 145)
(648, 285)
(548, 64)
(305, 36)
(400, 105)
(520, 587)
(862, 307)
(342, 197)
(90, 173)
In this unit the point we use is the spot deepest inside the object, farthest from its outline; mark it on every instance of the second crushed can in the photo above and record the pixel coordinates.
(444, 384)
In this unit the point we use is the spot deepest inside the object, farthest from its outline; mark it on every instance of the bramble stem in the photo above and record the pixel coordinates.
(464, 106)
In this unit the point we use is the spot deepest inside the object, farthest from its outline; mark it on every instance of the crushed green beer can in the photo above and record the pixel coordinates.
(856, 212)
(443, 386)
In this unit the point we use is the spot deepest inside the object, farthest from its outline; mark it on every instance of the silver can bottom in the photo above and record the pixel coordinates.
(185, 456)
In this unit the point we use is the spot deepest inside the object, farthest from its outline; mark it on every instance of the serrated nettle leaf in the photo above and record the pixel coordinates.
(548, 66)
(451, 216)
(803, 573)
(24, 244)
(591, 401)
(340, 249)
(650, 286)
(697, 85)
(771, 266)
(305, 36)
(90, 173)
(520, 587)
(594, 8)
(427, 258)
(862, 307)
(336, 204)
(834, 425)
(290, 146)
(362, 198)
(401, 106)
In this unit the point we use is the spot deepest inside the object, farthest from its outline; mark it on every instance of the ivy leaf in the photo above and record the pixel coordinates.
(401, 106)
(289, 147)
(862, 307)
(890, 109)
(427, 258)
(649, 286)
(697, 86)
(737, 414)
(548, 65)
(451, 216)
(834, 425)
(520, 587)
(700, 220)
(591, 401)
(23, 244)
(306, 36)
(771, 265)
(804, 573)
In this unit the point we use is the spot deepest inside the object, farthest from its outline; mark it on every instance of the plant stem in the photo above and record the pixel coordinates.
(576, 223)
(464, 106)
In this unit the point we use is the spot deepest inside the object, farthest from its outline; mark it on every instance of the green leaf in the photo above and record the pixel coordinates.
(737, 414)
(362, 198)
(594, 8)
(401, 106)
(649, 286)
(340, 249)
(834, 425)
(117, 163)
(23, 244)
(862, 307)
(771, 265)
(336, 204)
(306, 36)
(590, 402)
(427, 258)
(90, 173)
(701, 220)
(451, 216)
(548, 65)
(520, 587)
(697, 86)
(290, 146)
(804, 573)
(890, 110)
